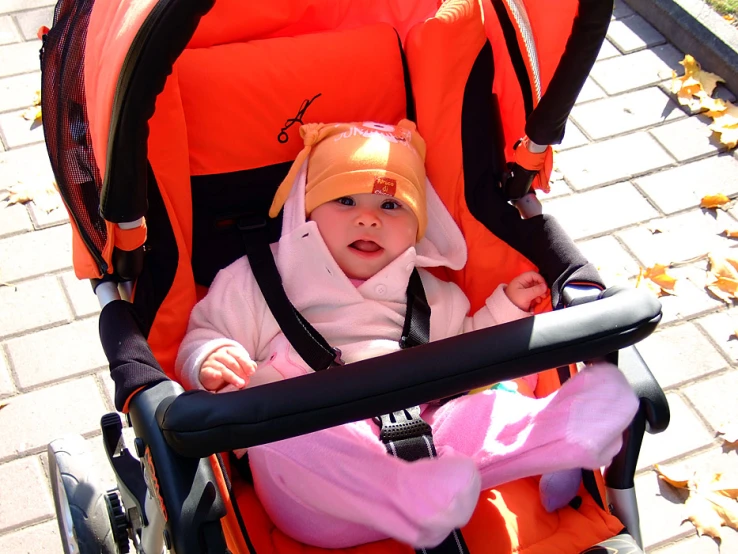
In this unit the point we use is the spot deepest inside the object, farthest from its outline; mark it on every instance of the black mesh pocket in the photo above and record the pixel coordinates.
(66, 126)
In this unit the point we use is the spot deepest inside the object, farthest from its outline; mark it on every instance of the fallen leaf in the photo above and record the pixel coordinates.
(657, 280)
(729, 433)
(37, 98)
(731, 233)
(680, 482)
(711, 502)
(46, 197)
(32, 114)
(3, 404)
(19, 194)
(714, 201)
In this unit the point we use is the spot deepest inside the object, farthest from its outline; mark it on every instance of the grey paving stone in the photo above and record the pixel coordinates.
(612, 160)
(558, 188)
(607, 51)
(684, 434)
(621, 10)
(32, 420)
(625, 112)
(52, 250)
(18, 131)
(633, 33)
(688, 139)
(714, 398)
(9, 6)
(37, 539)
(573, 138)
(32, 305)
(680, 353)
(29, 502)
(615, 265)
(83, 299)
(18, 92)
(590, 91)
(27, 165)
(58, 353)
(601, 210)
(56, 214)
(684, 187)
(661, 511)
(13, 218)
(8, 32)
(701, 545)
(21, 57)
(6, 381)
(108, 386)
(690, 299)
(679, 238)
(30, 21)
(637, 70)
(721, 328)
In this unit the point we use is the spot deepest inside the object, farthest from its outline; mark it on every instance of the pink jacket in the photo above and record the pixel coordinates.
(363, 321)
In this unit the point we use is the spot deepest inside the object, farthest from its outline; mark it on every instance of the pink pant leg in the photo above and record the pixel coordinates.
(510, 436)
(339, 487)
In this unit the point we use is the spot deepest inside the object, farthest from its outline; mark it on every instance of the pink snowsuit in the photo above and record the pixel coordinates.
(338, 487)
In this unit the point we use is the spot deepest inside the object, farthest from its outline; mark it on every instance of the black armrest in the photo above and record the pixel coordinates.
(653, 399)
(186, 487)
(199, 423)
(653, 415)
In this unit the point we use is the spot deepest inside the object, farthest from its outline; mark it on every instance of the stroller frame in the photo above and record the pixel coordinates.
(169, 494)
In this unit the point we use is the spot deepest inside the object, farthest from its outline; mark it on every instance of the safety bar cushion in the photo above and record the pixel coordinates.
(199, 423)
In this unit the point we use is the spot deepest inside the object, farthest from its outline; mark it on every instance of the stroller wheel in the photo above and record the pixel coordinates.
(80, 501)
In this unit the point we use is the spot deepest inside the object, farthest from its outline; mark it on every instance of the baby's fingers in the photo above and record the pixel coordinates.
(246, 364)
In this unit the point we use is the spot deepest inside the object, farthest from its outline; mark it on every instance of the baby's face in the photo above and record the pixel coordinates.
(365, 232)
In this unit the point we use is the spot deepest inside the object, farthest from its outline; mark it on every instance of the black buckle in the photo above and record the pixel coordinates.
(403, 424)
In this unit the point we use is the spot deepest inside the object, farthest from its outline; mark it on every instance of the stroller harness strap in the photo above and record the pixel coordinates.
(404, 432)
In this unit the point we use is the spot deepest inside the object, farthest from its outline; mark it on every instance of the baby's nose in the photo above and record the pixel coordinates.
(368, 218)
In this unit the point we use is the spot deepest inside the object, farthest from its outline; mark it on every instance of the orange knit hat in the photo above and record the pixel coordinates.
(355, 158)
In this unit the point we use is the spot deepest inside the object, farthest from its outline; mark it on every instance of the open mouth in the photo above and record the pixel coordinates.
(366, 246)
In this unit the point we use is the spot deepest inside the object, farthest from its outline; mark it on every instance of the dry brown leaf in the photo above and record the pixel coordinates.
(680, 482)
(32, 114)
(3, 404)
(729, 432)
(731, 233)
(657, 280)
(714, 201)
(724, 264)
(20, 194)
(710, 504)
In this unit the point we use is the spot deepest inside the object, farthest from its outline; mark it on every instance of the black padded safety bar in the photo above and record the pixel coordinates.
(199, 423)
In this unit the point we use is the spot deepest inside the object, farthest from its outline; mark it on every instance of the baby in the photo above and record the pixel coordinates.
(359, 218)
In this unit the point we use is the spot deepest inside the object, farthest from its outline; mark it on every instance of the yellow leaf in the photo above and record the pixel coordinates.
(724, 264)
(37, 98)
(702, 515)
(671, 479)
(32, 114)
(714, 201)
(657, 280)
(3, 404)
(727, 117)
(20, 194)
(710, 504)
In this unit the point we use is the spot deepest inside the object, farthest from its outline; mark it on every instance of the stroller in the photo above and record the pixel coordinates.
(169, 125)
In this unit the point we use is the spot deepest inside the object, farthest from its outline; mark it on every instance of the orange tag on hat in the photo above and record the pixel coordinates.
(384, 185)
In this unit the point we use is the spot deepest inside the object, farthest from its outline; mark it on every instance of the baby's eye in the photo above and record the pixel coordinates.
(391, 205)
(346, 201)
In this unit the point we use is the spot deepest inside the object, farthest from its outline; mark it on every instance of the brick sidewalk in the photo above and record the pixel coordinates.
(631, 158)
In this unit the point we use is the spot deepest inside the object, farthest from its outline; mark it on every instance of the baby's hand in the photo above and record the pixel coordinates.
(227, 365)
(527, 290)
